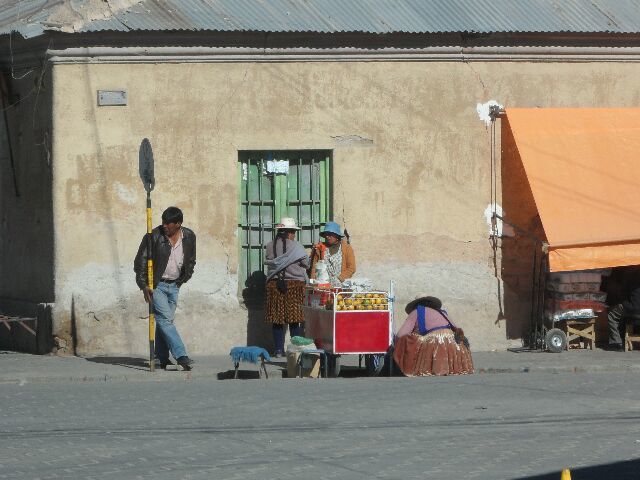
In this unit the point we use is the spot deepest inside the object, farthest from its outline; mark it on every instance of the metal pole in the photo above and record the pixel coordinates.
(152, 319)
(146, 167)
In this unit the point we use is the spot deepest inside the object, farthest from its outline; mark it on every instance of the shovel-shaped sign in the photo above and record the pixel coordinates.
(145, 166)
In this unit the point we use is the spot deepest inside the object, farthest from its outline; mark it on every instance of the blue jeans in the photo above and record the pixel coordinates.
(165, 301)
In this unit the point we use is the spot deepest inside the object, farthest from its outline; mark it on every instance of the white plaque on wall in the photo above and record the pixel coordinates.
(112, 97)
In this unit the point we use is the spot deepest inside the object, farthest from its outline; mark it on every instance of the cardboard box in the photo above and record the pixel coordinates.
(310, 365)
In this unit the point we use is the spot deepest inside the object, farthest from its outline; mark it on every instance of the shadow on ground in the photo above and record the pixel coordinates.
(277, 369)
(248, 371)
(128, 362)
(627, 470)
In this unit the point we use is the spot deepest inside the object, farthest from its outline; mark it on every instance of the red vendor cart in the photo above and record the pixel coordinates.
(349, 323)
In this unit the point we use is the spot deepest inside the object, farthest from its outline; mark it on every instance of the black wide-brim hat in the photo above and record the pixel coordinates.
(425, 300)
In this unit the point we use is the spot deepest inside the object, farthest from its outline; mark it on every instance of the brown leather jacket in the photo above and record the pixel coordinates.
(161, 249)
(348, 262)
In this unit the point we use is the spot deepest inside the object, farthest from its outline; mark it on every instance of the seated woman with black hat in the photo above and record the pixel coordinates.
(428, 343)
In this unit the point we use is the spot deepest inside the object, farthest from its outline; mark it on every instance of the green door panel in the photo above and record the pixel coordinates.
(303, 192)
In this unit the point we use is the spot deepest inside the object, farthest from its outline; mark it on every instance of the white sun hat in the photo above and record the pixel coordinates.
(287, 223)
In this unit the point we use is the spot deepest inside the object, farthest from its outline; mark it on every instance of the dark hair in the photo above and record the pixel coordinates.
(172, 215)
(281, 235)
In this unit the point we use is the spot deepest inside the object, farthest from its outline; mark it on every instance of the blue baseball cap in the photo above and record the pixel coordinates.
(331, 227)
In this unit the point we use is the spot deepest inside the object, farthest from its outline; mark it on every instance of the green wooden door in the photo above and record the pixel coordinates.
(276, 184)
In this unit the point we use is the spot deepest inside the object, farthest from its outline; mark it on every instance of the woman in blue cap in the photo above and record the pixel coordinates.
(338, 255)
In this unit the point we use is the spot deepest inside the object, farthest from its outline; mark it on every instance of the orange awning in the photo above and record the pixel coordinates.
(583, 167)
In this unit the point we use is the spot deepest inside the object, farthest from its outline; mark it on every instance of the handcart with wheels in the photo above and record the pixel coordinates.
(343, 322)
(565, 333)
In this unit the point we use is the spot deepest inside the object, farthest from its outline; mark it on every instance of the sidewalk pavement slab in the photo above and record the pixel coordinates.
(27, 368)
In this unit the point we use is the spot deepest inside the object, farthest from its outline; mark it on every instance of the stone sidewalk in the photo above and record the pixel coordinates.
(25, 368)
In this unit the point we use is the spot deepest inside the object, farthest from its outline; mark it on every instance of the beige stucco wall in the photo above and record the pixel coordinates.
(413, 200)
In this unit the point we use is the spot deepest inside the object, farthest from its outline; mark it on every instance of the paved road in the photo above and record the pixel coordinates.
(501, 426)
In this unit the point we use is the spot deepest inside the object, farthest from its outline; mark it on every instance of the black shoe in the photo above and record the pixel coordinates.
(165, 363)
(614, 347)
(162, 363)
(185, 362)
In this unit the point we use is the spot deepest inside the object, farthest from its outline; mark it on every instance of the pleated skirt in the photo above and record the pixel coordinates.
(436, 353)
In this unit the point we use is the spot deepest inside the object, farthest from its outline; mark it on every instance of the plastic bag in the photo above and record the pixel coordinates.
(301, 341)
(582, 313)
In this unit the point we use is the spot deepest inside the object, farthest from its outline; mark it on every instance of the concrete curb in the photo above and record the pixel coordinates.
(563, 369)
(19, 368)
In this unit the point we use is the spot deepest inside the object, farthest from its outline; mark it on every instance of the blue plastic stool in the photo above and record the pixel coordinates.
(251, 355)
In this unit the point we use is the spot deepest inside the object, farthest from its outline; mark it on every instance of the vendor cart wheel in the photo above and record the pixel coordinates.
(556, 340)
(334, 366)
(373, 363)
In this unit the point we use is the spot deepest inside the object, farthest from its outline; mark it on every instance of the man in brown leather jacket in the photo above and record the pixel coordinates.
(173, 249)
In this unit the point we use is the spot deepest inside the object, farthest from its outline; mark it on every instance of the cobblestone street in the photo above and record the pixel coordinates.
(486, 426)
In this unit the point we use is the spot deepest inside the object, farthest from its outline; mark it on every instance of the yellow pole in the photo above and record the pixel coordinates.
(152, 319)
(566, 474)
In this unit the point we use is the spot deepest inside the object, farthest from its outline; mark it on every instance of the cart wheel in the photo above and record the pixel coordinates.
(334, 366)
(556, 340)
(373, 363)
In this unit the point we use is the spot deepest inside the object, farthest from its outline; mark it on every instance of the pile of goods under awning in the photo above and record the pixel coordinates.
(575, 295)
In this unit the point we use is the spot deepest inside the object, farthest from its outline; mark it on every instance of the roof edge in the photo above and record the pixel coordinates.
(223, 54)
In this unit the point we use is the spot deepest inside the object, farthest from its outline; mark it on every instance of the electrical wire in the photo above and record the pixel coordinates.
(11, 65)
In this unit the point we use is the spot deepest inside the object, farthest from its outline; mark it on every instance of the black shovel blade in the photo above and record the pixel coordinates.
(145, 165)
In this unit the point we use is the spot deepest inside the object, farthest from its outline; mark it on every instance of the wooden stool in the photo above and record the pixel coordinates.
(323, 359)
(631, 321)
(581, 330)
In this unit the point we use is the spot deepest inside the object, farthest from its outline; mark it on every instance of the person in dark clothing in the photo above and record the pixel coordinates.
(173, 249)
(623, 297)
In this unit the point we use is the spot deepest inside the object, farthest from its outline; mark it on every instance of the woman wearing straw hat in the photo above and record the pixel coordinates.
(338, 255)
(287, 263)
(428, 343)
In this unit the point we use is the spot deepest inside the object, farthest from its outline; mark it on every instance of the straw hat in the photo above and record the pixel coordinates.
(287, 223)
(423, 299)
